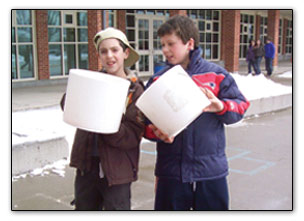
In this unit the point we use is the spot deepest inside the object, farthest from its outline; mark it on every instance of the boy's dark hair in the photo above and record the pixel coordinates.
(124, 47)
(182, 26)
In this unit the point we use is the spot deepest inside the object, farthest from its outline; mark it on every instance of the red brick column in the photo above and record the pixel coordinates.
(231, 39)
(273, 31)
(94, 25)
(257, 27)
(177, 12)
(42, 44)
(121, 20)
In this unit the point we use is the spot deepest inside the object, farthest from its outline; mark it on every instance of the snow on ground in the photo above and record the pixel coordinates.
(256, 87)
(286, 75)
(37, 125)
(46, 123)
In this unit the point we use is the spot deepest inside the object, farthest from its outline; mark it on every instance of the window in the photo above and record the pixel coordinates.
(130, 29)
(110, 18)
(208, 24)
(246, 33)
(280, 37)
(68, 41)
(156, 38)
(288, 46)
(22, 45)
(263, 29)
(150, 12)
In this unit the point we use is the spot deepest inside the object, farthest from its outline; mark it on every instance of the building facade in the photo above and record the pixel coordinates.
(47, 43)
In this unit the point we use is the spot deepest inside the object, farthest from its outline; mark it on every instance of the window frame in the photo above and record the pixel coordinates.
(204, 19)
(16, 44)
(64, 43)
(246, 23)
(288, 39)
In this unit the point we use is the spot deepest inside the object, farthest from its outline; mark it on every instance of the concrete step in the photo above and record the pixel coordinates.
(36, 154)
(269, 104)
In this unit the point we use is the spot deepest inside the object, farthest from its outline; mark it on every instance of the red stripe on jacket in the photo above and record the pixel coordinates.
(149, 133)
(210, 80)
(235, 107)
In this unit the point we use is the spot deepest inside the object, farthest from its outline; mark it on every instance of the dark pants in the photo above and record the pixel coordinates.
(203, 195)
(251, 63)
(94, 193)
(268, 65)
(258, 61)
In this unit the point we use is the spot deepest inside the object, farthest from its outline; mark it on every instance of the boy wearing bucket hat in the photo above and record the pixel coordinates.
(191, 168)
(108, 163)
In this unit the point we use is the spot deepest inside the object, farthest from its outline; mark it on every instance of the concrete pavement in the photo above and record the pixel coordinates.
(259, 152)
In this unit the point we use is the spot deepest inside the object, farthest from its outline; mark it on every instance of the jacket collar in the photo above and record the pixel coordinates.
(195, 58)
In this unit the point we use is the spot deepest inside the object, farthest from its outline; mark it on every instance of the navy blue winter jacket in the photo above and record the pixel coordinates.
(198, 152)
(269, 50)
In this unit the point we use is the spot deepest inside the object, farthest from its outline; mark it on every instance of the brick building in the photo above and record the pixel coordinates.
(47, 43)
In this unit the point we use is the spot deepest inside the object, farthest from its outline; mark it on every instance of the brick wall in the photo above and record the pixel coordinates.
(273, 30)
(257, 27)
(231, 39)
(121, 20)
(94, 25)
(177, 12)
(42, 44)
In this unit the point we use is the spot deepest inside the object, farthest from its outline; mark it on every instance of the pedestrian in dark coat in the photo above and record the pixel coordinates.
(250, 57)
(259, 53)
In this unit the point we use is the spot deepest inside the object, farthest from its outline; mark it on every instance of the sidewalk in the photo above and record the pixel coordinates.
(53, 192)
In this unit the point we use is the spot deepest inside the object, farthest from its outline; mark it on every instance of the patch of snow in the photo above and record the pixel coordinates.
(256, 87)
(287, 74)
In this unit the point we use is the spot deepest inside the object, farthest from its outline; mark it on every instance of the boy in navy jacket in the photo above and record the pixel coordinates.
(191, 168)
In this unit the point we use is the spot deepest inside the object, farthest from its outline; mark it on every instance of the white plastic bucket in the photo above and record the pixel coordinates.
(173, 101)
(95, 101)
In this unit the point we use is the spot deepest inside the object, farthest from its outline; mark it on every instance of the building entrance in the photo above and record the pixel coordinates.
(148, 44)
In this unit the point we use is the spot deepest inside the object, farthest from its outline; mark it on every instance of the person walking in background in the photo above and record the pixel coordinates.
(259, 53)
(250, 57)
(269, 55)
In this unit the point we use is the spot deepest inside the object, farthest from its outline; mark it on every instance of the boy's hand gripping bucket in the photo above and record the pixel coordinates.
(173, 101)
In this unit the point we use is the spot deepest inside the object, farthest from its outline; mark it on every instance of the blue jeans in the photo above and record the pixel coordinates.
(258, 64)
(251, 63)
(207, 195)
(268, 65)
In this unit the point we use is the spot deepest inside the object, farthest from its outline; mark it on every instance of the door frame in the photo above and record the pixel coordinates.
(151, 52)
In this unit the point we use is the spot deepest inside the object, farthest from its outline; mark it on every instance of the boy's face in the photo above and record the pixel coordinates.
(175, 51)
(112, 56)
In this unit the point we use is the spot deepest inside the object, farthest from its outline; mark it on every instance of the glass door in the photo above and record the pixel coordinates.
(158, 57)
(143, 46)
(148, 44)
